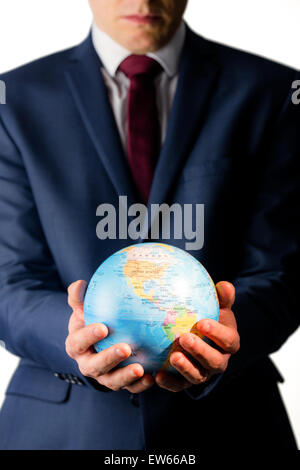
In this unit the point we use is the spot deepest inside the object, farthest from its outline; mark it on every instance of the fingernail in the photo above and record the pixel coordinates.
(136, 373)
(189, 340)
(121, 353)
(179, 361)
(98, 332)
(205, 327)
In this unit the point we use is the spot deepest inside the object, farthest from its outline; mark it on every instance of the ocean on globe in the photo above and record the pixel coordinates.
(148, 295)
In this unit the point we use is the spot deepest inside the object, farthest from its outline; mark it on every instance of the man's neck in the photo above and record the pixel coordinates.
(112, 53)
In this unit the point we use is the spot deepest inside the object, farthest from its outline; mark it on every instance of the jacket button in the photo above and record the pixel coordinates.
(59, 376)
(71, 379)
(78, 381)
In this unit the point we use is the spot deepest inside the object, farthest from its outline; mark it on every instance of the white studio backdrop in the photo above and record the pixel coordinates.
(33, 28)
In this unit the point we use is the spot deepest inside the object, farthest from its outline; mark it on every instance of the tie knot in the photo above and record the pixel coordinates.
(143, 65)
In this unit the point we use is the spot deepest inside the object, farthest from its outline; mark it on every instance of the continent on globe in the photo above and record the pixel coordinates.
(148, 295)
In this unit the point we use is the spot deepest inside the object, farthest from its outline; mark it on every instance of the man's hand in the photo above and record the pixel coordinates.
(99, 365)
(207, 359)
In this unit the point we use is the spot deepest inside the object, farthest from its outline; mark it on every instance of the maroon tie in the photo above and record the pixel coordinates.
(142, 120)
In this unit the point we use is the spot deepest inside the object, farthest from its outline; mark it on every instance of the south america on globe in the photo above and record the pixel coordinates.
(148, 295)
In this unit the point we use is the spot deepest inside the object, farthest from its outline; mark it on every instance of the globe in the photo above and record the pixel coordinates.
(148, 295)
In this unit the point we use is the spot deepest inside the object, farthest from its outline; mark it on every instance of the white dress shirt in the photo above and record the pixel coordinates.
(112, 54)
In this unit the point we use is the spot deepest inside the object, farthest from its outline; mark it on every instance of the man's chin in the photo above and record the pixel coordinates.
(141, 43)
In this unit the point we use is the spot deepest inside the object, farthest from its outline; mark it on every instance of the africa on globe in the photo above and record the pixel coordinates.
(148, 295)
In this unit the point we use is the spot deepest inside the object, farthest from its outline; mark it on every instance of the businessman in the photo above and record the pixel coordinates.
(147, 109)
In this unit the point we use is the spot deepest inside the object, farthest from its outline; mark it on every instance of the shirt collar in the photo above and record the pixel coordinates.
(112, 54)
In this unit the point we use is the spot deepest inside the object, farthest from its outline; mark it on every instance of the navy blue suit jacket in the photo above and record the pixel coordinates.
(231, 144)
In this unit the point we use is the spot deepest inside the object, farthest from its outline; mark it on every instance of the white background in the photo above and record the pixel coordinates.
(33, 28)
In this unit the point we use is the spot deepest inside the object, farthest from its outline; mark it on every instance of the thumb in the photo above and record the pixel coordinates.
(76, 292)
(226, 294)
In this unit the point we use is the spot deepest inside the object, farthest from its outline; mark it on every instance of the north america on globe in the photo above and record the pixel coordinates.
(148, 295)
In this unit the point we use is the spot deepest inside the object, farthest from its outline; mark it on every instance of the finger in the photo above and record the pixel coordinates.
(76, 292)
(171, 382)
(141, 385)
(207, 356)
(122, 377)
(103, 362)
(225, 336)
(192, 373)
(226, 294)
(227, 318)
(79, 341)
(76, 322)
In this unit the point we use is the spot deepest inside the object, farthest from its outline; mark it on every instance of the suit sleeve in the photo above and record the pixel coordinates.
(34, 313)
(266, 306)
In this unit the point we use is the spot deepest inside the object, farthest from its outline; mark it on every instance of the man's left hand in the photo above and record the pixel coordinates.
(207, 359)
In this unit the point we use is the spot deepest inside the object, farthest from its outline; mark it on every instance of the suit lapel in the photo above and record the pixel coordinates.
(197, 77)
(89, 91)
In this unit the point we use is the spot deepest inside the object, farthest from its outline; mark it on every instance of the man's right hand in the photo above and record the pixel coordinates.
(79, 346)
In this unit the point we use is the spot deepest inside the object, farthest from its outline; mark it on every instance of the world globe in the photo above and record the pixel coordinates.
(148, 295)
